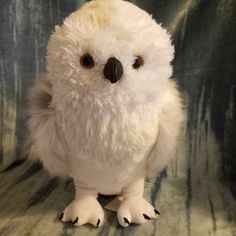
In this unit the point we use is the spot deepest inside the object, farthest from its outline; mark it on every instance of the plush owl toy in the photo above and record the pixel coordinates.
(107, 114)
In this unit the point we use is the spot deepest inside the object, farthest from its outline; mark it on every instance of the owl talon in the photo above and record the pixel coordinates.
(98, 223)
(61, 216)
(156, 212)
(126, 221)
(146, 217)
(75, 221)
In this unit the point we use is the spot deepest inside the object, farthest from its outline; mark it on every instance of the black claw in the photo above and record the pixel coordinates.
(146, 217)
(126, 221)
(98, 223)
(75, 221)
(157, 212)
(61, 216)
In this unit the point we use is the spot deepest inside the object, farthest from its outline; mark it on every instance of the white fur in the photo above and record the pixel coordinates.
(107, 135)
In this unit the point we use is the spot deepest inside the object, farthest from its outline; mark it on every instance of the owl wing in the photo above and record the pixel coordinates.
(170, 119)
(45, 132)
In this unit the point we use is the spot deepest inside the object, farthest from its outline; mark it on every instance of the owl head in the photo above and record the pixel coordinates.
(109, 52)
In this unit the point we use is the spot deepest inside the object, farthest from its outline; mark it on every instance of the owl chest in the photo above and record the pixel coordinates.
(107, 135)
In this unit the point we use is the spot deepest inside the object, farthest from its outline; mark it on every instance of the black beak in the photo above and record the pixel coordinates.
(113, 70)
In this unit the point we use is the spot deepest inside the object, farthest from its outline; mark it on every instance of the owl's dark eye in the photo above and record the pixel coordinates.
(138, 62)
(87, 61)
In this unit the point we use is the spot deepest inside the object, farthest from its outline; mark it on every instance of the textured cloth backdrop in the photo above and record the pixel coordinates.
(205, 40)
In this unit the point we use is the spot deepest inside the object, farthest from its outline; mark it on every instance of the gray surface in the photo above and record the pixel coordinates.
(196, 196)
(190, 203)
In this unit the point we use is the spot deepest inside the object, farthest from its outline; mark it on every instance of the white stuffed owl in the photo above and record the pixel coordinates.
(107, 114)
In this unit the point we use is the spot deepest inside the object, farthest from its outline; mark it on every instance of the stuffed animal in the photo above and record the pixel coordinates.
(107, 113)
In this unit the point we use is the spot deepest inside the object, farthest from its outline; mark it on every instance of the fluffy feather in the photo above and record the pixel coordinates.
(90, 129)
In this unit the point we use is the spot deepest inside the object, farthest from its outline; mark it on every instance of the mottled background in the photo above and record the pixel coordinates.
(197, 193)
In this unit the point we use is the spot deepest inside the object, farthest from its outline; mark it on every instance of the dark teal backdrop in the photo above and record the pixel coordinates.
(205, 41)
(204, 36)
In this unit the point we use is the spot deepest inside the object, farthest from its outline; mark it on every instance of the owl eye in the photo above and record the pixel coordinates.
(87, 61)
(138, 62)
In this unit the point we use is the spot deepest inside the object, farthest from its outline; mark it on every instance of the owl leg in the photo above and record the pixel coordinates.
(134, 208)
(84, 208)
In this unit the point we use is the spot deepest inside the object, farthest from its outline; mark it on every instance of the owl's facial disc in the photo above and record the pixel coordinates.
(109, 52)
(113, 70)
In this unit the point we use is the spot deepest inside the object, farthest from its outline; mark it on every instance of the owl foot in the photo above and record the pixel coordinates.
(135, 210)
(83, 211)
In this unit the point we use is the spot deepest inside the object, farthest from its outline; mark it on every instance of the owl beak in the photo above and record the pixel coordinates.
(113, 70)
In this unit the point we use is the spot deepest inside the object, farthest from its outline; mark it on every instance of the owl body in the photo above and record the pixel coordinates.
(107, 113)
(102, 146)
(107, 149)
